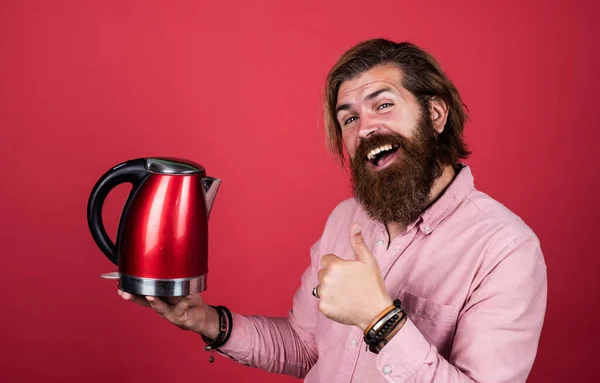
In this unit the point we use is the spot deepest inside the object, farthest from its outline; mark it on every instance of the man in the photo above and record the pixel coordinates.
(462, 278)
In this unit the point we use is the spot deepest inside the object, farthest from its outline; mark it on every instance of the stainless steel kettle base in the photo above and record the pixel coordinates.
(162, 287)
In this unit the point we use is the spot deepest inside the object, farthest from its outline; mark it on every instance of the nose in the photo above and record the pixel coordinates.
(367, 127)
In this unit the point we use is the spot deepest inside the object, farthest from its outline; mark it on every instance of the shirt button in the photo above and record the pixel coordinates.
(427, 229)
(354, 342)
(396, 250)
(380, 242)
(387, 370)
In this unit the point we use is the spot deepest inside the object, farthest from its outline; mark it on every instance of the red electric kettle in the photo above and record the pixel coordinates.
(161, 245)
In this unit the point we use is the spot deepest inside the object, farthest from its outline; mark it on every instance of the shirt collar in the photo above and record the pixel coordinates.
(454, 194)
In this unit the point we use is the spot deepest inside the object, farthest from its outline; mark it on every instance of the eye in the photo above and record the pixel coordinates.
(385, 105)
(350, 120)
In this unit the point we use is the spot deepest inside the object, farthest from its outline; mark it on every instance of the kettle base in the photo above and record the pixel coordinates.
(176, 287)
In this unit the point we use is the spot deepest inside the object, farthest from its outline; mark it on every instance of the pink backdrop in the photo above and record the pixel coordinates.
(236, 86)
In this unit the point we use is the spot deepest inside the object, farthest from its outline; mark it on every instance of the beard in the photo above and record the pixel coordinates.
(401, 191)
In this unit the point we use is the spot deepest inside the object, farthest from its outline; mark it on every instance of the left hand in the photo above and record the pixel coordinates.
(352, 292)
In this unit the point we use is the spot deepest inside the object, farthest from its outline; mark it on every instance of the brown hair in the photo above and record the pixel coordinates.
(422, 76)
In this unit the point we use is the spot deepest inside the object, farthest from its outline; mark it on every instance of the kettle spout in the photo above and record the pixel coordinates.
(211, 186)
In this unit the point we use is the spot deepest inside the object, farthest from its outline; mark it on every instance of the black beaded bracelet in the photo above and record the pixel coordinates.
(385, 325)
(225, 327)
(375, 347)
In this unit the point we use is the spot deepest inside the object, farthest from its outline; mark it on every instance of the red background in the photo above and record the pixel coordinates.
(236, 86)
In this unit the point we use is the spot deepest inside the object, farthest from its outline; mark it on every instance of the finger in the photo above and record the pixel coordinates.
(158, 305)
(171, 301)
(329, 259)
(133, 298)
(359, 247)
(321, 274)
(180, 308)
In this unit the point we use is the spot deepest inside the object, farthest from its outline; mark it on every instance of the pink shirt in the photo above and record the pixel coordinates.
(471, 277)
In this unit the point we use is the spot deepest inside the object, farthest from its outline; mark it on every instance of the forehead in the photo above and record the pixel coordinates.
(388, 75)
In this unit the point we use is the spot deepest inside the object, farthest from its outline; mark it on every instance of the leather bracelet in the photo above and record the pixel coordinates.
(229, 324)
(384, 323)
(378, 317)
(395, 316)
(225, 327)
(376, 348)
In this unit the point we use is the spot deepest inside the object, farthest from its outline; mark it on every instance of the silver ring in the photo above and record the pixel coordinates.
(315, 291)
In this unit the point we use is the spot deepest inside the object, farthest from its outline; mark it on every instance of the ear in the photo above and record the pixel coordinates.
(438, 110)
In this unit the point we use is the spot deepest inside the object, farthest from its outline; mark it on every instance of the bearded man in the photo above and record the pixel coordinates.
(419, 277)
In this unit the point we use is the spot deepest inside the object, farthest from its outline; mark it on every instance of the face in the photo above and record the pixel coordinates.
(375, 103)
(392, 144)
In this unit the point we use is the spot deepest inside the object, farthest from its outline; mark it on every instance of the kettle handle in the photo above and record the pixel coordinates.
(132, 171)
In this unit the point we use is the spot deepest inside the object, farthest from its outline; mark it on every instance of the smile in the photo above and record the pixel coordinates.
(381, 155)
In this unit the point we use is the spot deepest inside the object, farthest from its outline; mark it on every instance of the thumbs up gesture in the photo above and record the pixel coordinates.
(352, 291)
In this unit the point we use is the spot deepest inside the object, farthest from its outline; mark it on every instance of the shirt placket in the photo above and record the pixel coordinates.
(397, 248)
(386, 258)
(354, 342)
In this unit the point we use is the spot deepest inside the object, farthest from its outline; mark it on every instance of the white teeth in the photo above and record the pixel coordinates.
(375, 151)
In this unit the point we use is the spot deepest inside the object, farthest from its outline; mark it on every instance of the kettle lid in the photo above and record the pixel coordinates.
(172, 165)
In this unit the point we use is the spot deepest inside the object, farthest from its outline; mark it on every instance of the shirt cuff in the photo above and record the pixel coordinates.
(404, 355)
(237, 346)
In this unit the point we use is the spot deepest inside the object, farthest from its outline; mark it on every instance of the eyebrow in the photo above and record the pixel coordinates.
(369, 97)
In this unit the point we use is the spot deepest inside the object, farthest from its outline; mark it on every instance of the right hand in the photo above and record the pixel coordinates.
(189, 312)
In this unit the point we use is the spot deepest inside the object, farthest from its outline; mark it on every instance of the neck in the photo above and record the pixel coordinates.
(439, 186)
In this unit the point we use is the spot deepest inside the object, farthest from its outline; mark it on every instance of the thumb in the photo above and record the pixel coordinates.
(361, 251)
